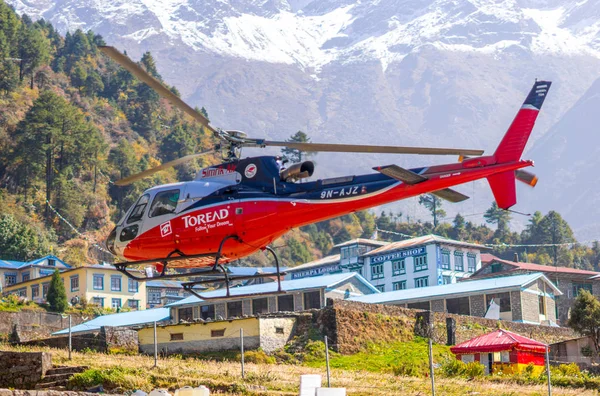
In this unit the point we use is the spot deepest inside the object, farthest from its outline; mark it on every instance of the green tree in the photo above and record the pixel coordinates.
(34, 51)
(295, 155)
(498, 216)
(585, 317)
(434, 206)
(459, 229)
(57, 295)
(20, 240)
(549, 229)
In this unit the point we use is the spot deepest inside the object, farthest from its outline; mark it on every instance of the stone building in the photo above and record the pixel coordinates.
(568, 280)
(300, 294)
(528, 298)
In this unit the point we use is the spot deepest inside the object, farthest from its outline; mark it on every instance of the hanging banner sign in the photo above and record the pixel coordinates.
(398, 255)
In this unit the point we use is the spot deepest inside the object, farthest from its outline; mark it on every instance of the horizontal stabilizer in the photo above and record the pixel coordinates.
(398, 173)
(450, 195)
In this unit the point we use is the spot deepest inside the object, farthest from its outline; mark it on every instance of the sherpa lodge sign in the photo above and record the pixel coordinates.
(398, 255)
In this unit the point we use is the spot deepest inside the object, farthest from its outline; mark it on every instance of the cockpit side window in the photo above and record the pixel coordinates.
(165, 202)
(138, 209)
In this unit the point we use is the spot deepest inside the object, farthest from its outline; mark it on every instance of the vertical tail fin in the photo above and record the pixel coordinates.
(512, 145)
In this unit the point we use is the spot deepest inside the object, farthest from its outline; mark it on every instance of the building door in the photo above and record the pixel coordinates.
(485, 359)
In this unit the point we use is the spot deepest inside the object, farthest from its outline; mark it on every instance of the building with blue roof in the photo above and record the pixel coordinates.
(529, 298)
(12, 272)
(300, 294)
(163, 292)
(128, 319)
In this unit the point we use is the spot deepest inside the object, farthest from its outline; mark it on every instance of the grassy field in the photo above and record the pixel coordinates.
(137, 372)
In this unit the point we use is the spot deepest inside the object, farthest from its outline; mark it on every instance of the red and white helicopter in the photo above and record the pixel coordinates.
(236, 208)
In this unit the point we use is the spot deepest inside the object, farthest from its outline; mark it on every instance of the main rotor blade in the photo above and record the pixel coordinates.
(360, 148)
(130, 179)
(163, 91)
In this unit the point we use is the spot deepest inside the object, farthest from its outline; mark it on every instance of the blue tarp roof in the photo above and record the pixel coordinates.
(460, 289)
(133, 318)
(287, 285)
(12, 264)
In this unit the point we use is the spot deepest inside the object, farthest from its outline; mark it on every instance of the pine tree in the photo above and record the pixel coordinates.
(434, 206)
(295, 155)
(585, 317)
(57, 295)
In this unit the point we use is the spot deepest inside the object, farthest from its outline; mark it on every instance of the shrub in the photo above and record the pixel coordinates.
(259, 356)
(457, 368)
(116, 377)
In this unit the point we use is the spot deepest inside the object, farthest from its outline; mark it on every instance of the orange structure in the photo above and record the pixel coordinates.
(502, 351)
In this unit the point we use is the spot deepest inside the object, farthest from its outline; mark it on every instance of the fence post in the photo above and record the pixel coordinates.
(155, 347)
(548, 370)
(431, 372)
(327, 360)
(70, 343)
(242, 350)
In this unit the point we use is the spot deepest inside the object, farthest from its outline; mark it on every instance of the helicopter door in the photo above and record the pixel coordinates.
(159, 236)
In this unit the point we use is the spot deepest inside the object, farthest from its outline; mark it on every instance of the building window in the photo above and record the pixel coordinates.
(420, 305)
(187, 314)
(99, 301)
(172, 292)
(10, 279)
(581, 286)
(502, 299)
(25, 276)
(420, 263)
(458, 306)
(344, 252)
(98, 282)
(422, 282)
(496, 267)
(45, 287)
(176, 336)
(207, 311)
(154, 297)
(278, 330)
(35, 291)
(234, 309)
(134, 286)
(133, 304)
(115, 283)
(399, 285)
(75, 283)
(285, 303)
(377, 271)
(381, 288)
(542, 305)
(260, 305)
(459, 261)
(22, 292)
(445, 259)
(398, 267)
(217, 333)
(312, 300)
(115, 303)
(471, 263)
(446, 280)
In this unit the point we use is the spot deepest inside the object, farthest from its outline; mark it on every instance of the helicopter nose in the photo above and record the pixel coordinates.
(110, 241)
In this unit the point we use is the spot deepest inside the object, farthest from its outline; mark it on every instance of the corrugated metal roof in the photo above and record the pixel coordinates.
(248, 271)
(499, 340)
(12, 264)
(322, 261)
(422, 240)
(287, 285)
(539, 267)
(460, 289)
(133, 318)
(361, 241)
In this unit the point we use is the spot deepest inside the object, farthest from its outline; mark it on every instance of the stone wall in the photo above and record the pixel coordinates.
(31, 325)
(108, 339)
(531, 307)
(351, 326)
(23, 369)
(275, 332)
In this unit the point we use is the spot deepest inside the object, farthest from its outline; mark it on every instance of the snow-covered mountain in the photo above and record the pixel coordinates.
(403, 72)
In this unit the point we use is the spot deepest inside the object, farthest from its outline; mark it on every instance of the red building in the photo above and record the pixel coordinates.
(502, 351)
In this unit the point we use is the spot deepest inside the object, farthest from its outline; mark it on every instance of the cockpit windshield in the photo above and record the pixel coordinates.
(164, 202)
(138, 209)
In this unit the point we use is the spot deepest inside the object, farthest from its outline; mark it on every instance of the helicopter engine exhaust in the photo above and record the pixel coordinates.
(298, 171)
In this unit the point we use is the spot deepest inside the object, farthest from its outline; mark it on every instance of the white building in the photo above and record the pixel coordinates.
(420, 262)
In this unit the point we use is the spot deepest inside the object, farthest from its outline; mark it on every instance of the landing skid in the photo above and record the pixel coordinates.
(215, 274)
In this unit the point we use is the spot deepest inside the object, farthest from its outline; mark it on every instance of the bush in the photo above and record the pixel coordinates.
(259, 356)
(569, 370)
(457, 368)
(116, 377)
